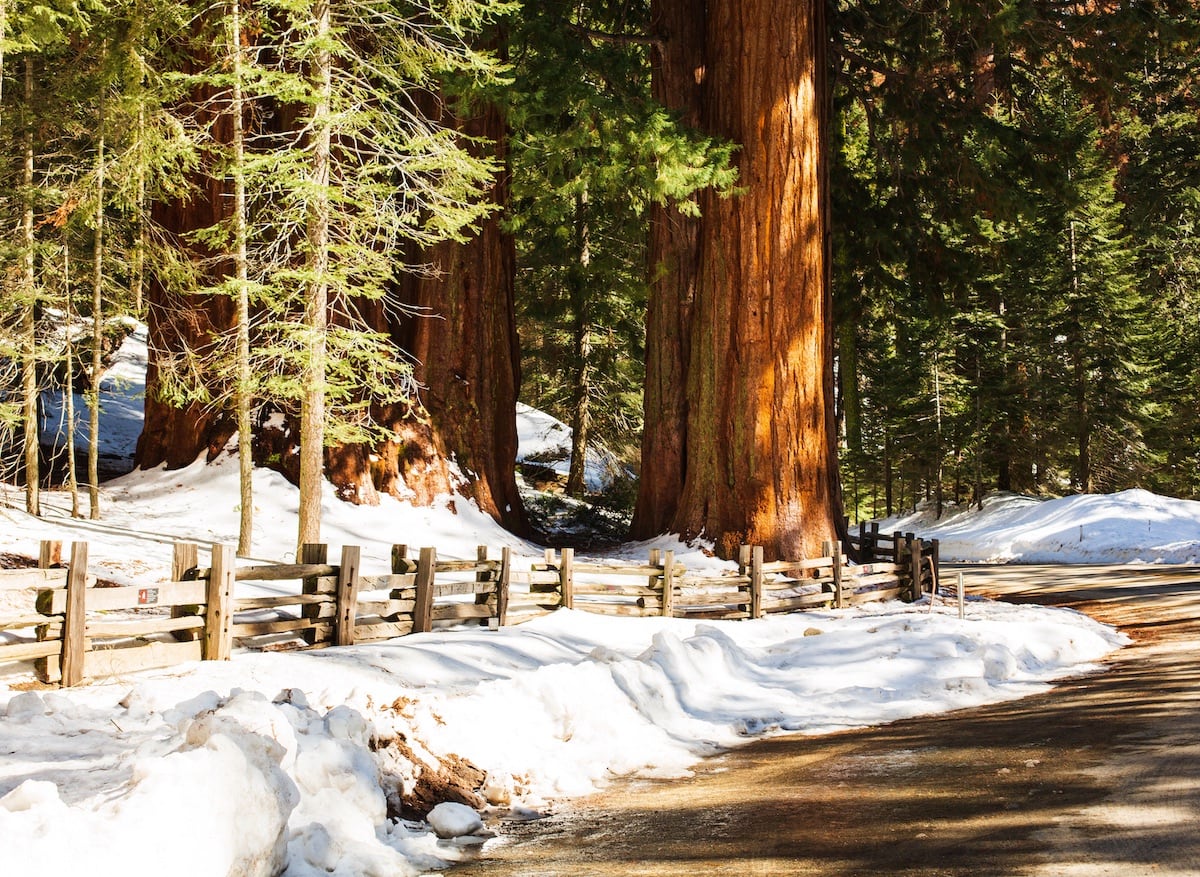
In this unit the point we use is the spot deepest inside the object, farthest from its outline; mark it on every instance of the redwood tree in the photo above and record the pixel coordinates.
(740, 314)
(459, 326)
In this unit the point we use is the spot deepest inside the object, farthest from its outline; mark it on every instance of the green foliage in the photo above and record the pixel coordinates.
(986, 230)
(398, 177)
(591, 152)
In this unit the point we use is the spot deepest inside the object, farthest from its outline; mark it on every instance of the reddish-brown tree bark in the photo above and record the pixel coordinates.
(464, 343)
(674, 254)
(171, 435)
(463, 339)
(753, 341)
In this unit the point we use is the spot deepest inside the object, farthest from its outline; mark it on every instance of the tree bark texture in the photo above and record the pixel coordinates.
(461, 333)
(175, 436)
(674, 255)
(757, 432)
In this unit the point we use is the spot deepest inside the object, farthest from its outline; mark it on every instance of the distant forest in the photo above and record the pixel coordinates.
(791, 262)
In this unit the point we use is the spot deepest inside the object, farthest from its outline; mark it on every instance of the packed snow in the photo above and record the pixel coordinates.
(1133, 526)
(294, 762)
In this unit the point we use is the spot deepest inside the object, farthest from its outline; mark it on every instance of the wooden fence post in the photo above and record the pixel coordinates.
(502, 587)
(566, 577)
(914, 546)
(897, 538)
(423, 610)
(74, 645)
(400, 562)
(833, 550)
(314, 553)
(49, 553)
(185, 558)
(744, 570)
(347, 595)
(668, 584)
(756, 582)
(483, 577)
(218, 614)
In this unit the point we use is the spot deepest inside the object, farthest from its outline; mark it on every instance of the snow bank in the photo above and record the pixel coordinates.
(274, 761)
(1133, 526)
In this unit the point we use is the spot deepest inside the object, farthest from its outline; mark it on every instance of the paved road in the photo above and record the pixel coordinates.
(1100, 776)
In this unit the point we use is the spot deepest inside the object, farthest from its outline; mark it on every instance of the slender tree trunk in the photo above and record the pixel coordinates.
(29, 382)
(939, 453)
(244, 392)
(889, 503)
(69, 344)
(137, 258)
(137, 255)
(93, 397)
(1083, 420)
(312, 407)
(759, 435)
(582, 391)
(3, 37)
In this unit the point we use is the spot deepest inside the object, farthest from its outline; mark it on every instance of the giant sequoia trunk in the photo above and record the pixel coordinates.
(741, 314)
(462, 436)
(176, 435)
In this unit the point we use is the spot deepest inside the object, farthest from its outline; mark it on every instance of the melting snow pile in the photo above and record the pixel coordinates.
(296, 762)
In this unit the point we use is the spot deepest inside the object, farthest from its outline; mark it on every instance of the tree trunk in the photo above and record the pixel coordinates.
(93, 396)
(29, 383)
(678, 62)
(69, 390)
(245, 390)
(175, 436)
(461, 437)
(582, 391)
(758, 434)
(312, 406)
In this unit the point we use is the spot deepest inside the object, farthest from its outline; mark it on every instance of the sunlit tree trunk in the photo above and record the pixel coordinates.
(312, 407)
(244, 393)
(69, 391)
(757, 432)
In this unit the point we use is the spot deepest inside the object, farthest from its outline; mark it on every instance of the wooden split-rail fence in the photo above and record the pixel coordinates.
(84, 632)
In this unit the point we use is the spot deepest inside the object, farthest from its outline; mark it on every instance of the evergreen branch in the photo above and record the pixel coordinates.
(616, 39)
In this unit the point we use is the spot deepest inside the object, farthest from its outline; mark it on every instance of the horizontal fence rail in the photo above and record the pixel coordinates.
(82, 631)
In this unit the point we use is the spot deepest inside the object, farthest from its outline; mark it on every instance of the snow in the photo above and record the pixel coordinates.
(449, 819)
(121, 393)
(289, 762)
(545, 440)
(1133, 526)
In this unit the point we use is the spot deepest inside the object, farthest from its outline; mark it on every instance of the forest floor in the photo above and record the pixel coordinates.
(1100, 776)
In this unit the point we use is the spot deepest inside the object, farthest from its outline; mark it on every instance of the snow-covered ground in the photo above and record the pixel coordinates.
(286, 762)
(1133, 526)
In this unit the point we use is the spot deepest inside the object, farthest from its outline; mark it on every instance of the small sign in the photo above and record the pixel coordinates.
(147, 596)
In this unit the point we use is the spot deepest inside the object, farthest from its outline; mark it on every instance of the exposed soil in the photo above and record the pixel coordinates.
(1100, 776)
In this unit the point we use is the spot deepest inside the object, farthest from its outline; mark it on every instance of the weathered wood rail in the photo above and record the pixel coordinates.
(87, 632)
